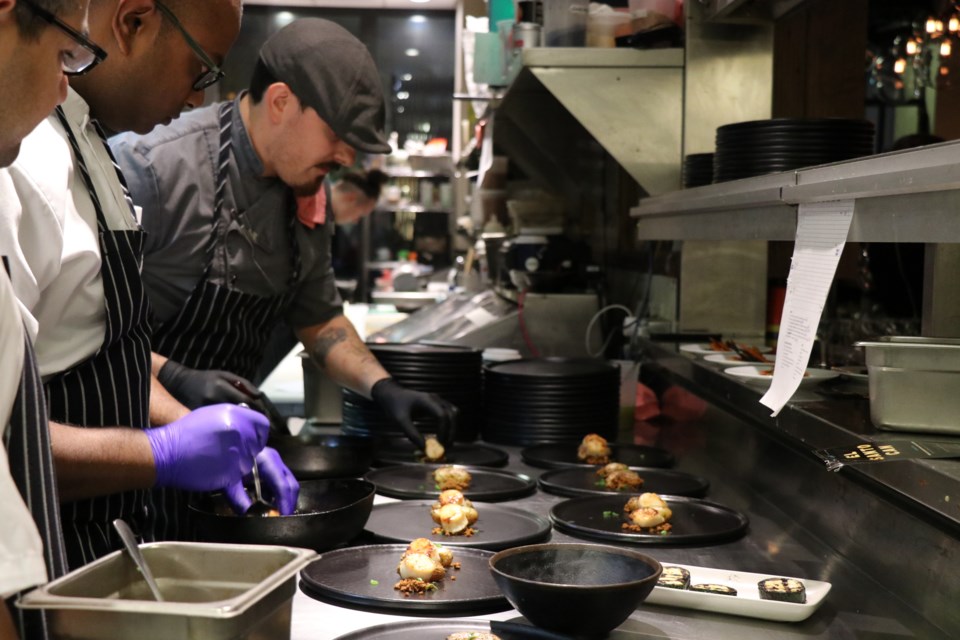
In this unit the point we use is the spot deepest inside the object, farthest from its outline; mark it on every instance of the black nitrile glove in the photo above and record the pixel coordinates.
(400, 403)
(194, 388)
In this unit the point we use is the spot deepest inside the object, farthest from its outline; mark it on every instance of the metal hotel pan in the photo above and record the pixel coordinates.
(913, 383)
(212, 591)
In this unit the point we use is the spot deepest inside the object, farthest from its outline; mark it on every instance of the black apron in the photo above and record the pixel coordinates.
(218, 327)
(112, 387)
(31, 466)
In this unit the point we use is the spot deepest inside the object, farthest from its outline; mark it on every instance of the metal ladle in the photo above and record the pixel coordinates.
(260, 507)
(130, 542)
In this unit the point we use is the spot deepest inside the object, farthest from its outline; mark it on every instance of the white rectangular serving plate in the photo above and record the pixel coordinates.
(746, 603)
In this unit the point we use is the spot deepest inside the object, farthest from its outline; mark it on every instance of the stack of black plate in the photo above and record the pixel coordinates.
(533, 401)
(747, 149)
(453, 373)
(697, 170)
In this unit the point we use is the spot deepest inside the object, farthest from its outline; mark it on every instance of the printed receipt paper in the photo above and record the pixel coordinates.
(821, 233)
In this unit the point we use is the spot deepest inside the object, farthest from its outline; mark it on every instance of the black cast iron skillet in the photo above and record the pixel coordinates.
(329, 513)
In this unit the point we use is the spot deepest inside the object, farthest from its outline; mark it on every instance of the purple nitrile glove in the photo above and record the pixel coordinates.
(209, 448)
(277, 483)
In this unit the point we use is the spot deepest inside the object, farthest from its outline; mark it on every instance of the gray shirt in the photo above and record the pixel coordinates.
(171, 174)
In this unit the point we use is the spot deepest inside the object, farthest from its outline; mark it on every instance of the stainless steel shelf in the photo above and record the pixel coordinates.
(407, 172)
(413, 208)
(601, 57)
(905, 196)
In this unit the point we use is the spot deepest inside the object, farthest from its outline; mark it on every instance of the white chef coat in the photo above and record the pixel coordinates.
(48, 227)
(21, 549)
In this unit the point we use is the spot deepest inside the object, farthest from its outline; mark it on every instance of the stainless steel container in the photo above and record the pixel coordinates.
(914, 383)
(322, 397)
(526, 35)
(211, 591)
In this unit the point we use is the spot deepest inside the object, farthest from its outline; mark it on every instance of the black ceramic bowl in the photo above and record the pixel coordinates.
(312, 455)
(328, 513)
(577, 589)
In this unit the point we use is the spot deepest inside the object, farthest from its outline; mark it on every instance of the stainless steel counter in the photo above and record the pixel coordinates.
(752, 472)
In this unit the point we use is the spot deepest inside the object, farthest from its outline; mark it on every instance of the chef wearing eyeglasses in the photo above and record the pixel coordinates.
(32, 66)
(74, 243)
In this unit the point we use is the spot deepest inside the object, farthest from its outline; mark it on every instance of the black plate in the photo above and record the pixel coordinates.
(793, 124)
(343, 577)
(533, 419)
(574, 482)
(557, 368)
(525, 440)
(402, 451)
(558, 402)
(408, 481)
(564, 454)
(440, 374)
(694, 520)
(440, 629)
(800, 139)
(758, 157)
(413, 348)
(534, 436)
(550, 390)
(498, 527)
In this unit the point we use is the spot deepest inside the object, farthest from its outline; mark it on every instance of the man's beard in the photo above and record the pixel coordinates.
(311, 187)
(307, 189)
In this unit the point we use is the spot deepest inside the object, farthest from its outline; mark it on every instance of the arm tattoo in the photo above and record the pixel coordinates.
(325, 343)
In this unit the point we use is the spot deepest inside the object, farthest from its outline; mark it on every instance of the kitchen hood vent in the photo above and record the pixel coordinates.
(629, 101)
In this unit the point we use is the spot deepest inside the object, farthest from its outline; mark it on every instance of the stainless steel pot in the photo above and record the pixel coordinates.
(322, 397)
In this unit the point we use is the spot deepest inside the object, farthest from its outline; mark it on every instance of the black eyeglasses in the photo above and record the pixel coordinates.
(213, 74)
(84, 56)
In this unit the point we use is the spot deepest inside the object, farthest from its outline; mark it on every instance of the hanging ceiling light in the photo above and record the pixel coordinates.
(922, 51)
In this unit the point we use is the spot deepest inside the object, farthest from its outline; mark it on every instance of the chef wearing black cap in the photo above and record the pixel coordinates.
(238, 230)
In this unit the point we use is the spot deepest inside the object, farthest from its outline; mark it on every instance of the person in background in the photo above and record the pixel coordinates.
(239, 226)
(41, 42)
(353, 197)
(74, 247)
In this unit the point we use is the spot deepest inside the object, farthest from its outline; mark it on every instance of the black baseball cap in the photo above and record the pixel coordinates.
(331, 71)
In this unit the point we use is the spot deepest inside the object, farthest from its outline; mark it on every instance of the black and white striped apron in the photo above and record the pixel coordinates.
(112, 387)
(218, 327)
(27, 442)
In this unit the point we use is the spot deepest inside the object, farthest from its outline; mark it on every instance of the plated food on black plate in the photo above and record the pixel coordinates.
(477, 525)
(409, 481)
(393, 450)
(587, 481)
(413, 578)
(423, 565)
(592, 451)
(448, 629)
(648, 519)
(451, 477)
(453, 514)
